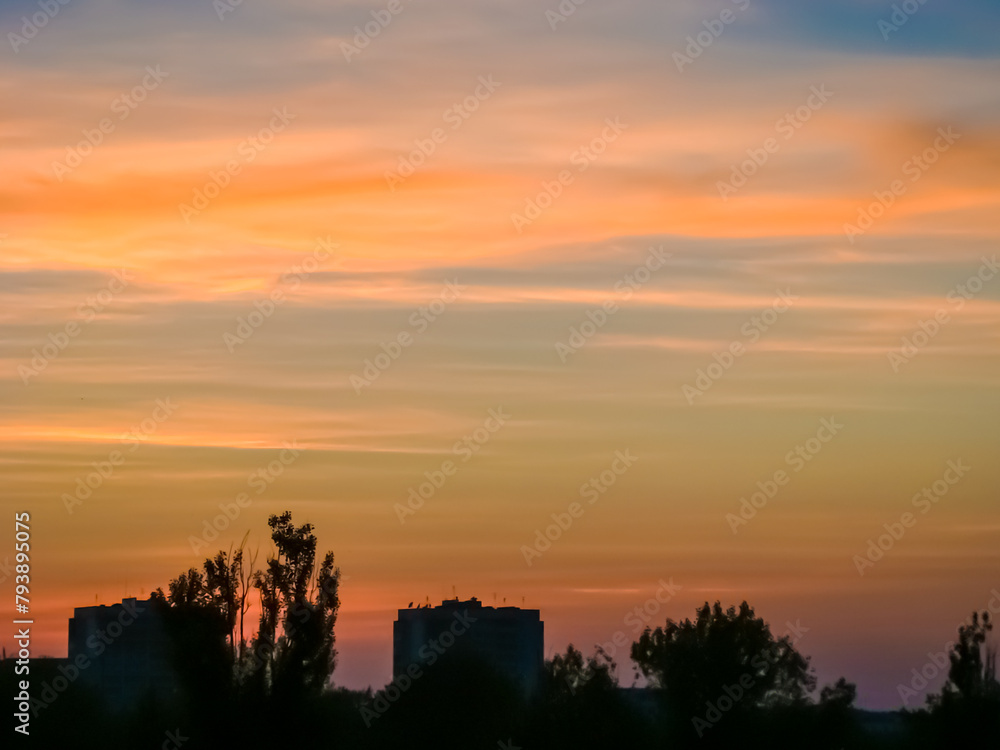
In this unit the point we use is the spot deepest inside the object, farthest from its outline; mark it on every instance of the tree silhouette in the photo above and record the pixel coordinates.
(717, 667)
(293, 651)
(973, 672)
(299, 605)
(222, 583)
(840, 696)
(223, 587)
(200, 659)
(580, 705)
(968, 707)
(187, 589)
(567, 674)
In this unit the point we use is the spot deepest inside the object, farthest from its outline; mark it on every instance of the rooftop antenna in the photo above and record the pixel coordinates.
(453, 591)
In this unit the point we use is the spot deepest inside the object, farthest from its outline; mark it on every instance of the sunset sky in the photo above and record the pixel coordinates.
(567, 214)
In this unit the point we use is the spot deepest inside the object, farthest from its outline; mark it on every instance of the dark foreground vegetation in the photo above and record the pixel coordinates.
(719, 680)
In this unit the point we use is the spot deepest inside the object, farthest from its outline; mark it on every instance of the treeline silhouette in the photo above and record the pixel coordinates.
(721, 679)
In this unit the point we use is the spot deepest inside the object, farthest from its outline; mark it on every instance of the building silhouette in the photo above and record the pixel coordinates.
(122, 652)
(509, 639)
